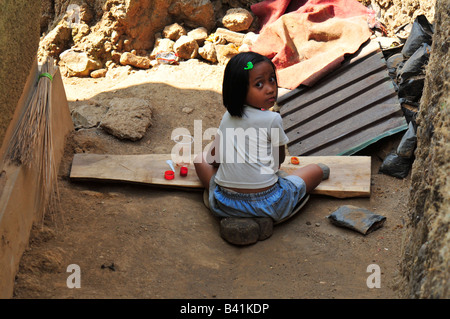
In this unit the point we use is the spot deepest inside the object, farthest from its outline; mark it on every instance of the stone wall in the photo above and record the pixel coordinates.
(426, 254)
(19, 41)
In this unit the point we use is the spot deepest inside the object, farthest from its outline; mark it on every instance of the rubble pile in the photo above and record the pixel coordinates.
(95, 51)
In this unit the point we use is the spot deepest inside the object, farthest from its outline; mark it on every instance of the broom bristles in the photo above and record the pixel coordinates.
(32, 141)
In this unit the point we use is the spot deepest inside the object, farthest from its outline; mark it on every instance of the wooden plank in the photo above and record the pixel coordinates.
(143, 169)
(349, 177)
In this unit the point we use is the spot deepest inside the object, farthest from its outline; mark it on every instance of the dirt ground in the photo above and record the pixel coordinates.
(134, 241)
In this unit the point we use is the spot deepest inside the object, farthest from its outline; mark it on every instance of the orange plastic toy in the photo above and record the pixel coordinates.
(295, 160)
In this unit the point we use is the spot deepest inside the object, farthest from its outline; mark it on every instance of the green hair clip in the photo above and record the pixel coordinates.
(249, 66)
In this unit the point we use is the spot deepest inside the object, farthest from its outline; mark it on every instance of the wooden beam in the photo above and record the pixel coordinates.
(349, 177)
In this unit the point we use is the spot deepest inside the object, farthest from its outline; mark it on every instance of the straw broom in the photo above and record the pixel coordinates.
(32, 142)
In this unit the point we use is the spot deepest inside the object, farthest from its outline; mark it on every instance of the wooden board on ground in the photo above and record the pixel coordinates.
(349, 177)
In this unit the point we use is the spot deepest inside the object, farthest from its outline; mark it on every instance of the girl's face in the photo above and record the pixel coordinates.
(262, 86)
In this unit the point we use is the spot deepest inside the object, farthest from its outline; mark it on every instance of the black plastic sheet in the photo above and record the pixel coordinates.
(421, 32)
(396, 165)
(410, 91)
(415, 65)
(408, 143)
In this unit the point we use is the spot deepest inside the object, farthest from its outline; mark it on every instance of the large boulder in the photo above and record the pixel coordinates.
(194, 13)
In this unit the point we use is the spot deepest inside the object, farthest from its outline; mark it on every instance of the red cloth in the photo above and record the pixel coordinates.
(307, 39)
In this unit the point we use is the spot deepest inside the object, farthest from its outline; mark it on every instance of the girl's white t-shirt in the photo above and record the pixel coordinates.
(248, 149)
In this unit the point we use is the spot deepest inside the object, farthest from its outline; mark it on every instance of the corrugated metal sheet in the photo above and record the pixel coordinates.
(348, 110)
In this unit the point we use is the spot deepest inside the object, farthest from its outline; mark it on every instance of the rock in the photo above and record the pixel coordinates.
(239, 231)
(237, 19)
(194, 13)
(265, 227)
(199, 35)
(140, 62)
(225, 52)
(230, 36)
(187, 110)
(100, 73)
(356, 218)
(140, 20)
(56, 41)
(94, 43)
(126, 45)
(186, 48)
(78, 63)
(216, 39)
(88, 115)
(245, 231)
(79, 31)
(115, 56)
(174, 32)
(162, 45)
(119, 12)
(115, 37)
(208, 52)
(127, 118)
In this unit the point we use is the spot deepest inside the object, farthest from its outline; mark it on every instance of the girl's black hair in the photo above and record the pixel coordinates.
(235, 81)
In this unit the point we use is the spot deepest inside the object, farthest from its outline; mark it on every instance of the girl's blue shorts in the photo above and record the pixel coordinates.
(278, 202)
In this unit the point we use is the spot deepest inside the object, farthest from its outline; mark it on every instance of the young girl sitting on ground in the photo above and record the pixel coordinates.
(241, 168)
